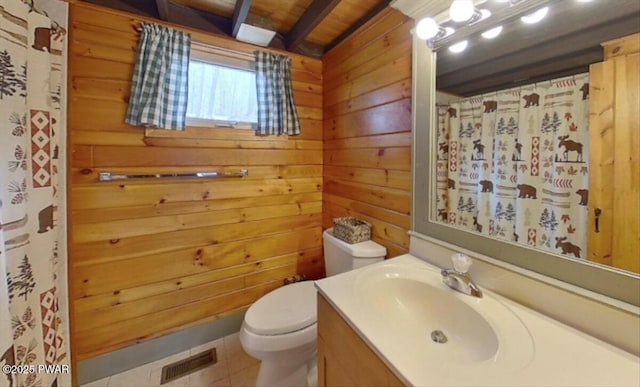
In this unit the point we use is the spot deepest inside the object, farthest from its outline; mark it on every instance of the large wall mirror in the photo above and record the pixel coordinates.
(516, 196)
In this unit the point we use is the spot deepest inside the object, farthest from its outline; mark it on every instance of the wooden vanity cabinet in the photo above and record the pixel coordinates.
(343, 358)
(614, 167)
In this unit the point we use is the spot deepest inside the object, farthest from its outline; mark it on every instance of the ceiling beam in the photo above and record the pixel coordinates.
(310, 49)
(359, 23)
(314, 14)
(240, 14)
(194, 18)
(163, 9)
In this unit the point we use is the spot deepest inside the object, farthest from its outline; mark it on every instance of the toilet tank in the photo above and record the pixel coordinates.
(340, 256)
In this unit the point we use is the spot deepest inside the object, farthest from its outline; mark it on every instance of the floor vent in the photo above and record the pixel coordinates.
(189, 365)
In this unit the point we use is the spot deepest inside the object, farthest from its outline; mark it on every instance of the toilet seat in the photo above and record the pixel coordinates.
(287, 309)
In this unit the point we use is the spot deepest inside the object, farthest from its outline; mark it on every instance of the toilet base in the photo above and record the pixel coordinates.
(285, 359)
(312, 376)
(274, 373)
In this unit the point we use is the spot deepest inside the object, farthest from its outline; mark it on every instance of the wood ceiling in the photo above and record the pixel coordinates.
(310, 27)
(565, 43)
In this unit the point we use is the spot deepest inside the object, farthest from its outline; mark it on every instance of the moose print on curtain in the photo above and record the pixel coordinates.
(31, 76)
(513, 165)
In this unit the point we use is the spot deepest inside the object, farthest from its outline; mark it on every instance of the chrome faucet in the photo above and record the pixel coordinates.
(458, 279)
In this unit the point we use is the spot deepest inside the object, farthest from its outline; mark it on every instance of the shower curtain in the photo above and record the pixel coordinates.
(513, 165)
(31, 80)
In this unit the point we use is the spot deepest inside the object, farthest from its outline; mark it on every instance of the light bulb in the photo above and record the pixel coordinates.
(427, 28)
(459, 47)
(461, 10)
(536, 16)
(492, 33)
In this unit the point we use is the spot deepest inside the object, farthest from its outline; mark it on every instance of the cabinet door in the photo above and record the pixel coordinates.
(614, 177)
(343, 357)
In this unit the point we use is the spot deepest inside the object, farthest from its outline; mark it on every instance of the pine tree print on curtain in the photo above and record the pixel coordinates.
(31, 76)
(513, 165)
(558, 167)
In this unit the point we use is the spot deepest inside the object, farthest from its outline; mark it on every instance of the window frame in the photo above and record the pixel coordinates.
(225, 58)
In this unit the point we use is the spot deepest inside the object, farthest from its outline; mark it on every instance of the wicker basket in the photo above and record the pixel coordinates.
(351, 230)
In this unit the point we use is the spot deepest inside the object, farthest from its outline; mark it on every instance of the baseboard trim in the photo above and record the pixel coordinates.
(137, 355)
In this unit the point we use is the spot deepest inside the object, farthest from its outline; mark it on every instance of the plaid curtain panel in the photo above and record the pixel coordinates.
(160, 84)
(276, 107)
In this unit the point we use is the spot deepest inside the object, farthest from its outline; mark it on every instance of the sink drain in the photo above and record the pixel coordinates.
(438, 336)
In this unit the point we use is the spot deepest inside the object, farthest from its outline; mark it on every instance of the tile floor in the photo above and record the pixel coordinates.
(234, 368)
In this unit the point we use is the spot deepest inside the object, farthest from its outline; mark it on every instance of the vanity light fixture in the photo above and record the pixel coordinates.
(459, 47)
(448, 31)
(461, 11)
(479, 15)
(464, 11)
(442, 33)
(536, 16)
(492, 33)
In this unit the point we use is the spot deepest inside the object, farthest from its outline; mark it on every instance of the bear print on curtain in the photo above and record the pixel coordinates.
(513, 165)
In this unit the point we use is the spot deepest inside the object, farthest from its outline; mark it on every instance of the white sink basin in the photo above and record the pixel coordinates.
(396, 305)
(419, 309)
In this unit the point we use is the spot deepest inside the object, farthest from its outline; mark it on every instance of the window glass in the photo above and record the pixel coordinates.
(221, 95)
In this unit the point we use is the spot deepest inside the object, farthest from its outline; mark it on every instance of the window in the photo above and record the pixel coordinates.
(222, 90)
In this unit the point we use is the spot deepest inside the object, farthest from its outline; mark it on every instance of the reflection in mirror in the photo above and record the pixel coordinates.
(511, 165)
(565, 42)
(511, 146)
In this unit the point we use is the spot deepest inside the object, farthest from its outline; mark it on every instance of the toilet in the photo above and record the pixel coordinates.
(280, 329)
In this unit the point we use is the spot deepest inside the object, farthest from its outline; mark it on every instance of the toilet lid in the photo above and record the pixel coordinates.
(284, 310)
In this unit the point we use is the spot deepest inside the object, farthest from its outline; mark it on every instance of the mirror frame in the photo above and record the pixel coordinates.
(615, 283)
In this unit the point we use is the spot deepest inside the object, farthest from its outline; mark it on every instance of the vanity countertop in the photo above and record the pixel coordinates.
(537, 350)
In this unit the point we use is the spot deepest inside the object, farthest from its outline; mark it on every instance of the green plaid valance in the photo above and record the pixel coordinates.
(160, 84)
(276, 107)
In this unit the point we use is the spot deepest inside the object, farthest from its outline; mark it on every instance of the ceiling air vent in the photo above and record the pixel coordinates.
(189, 365)
(256, 30)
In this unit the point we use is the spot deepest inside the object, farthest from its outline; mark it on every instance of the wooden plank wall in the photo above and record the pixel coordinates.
(614, 147)
(148, 258)
(367, 129)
